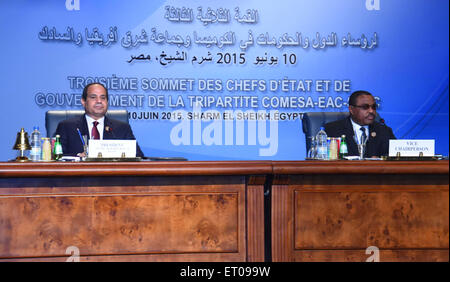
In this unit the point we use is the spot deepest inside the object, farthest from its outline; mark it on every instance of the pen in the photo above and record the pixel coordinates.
(81, 137)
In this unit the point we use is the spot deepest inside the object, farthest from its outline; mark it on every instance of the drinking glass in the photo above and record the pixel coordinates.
(86, 145)
(312, 149)
(361, 150)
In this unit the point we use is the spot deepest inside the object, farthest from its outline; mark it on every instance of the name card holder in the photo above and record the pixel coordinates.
(411, 149)
(112, 150)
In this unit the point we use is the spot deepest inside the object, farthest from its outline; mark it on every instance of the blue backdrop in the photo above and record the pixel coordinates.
(214, 80)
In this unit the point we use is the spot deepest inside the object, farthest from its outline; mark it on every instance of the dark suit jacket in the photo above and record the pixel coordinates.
(71, 141)
(377, 144)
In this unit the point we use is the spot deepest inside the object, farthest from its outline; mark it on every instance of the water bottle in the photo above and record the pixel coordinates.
(322, 148)
(35, 154)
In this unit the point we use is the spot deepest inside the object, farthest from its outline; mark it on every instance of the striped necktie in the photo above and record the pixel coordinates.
(363, 135)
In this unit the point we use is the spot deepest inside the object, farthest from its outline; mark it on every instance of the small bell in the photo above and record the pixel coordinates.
(22, 144)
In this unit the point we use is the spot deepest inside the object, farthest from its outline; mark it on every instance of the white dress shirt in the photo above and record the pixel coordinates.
(358, 132)
(100, 126)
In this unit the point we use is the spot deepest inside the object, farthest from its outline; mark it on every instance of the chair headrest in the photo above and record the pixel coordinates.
(54, 117)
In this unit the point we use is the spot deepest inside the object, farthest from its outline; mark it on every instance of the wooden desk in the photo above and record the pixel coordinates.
(333, 211)
(214, 211)
(145, 211)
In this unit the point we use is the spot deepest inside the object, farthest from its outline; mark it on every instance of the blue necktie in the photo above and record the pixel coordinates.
(363, 135)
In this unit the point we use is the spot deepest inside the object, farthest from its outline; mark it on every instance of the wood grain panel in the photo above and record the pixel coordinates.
(255, 223)
(333, 211)
(371, 183)
(282, 223)
(356, 220)
(188, 257)
(360, 167)
(361, 256)
(144, 168)
(102, 224)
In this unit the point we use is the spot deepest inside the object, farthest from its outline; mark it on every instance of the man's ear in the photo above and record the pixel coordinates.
(83, 102)
(351, 109)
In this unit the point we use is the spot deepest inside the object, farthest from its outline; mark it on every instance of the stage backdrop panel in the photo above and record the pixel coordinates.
(212, 80)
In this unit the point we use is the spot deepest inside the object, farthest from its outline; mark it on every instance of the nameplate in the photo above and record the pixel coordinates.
(112, 148)
(411, 148)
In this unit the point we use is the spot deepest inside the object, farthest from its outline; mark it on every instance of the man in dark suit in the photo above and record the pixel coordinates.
(93, 123)
(361, 127)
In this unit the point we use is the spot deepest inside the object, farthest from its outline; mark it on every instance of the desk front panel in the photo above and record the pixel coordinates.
(124, 218)
(337, 214)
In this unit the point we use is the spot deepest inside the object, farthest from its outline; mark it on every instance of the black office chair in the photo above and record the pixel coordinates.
(311, 122)
(52, 118)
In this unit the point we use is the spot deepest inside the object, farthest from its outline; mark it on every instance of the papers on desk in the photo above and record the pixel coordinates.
(70, 159)
(164, 159)
(78, 159)
(353, 158)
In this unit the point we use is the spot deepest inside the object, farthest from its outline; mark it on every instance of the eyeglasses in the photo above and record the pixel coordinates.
(366, 106)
